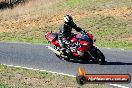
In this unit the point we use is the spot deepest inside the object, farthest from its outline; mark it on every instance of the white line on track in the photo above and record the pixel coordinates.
(115, 85)
(40, 70)
(123, 49)
(108, 48)
(119, 86)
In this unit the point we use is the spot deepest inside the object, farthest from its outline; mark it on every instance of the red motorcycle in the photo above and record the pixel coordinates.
(80, 45)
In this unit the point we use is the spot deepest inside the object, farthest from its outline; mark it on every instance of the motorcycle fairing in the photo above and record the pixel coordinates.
(53, 37)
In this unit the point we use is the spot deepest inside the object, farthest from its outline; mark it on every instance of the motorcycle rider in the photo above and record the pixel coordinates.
(65, 32)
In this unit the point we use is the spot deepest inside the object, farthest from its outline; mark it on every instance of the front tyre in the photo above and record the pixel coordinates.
(97, 56)
(100, 57)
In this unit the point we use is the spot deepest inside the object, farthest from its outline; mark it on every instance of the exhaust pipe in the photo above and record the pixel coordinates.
(56, 52)
(52, 49)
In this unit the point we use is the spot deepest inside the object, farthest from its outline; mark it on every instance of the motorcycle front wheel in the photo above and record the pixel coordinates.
(98, 56)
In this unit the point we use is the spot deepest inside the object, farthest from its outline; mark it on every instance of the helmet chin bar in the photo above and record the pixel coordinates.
(66, 19)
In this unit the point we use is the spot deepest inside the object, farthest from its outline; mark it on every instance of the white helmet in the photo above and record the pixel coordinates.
(68, 19)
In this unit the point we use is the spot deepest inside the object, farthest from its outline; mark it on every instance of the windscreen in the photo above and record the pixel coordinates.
(82, 37)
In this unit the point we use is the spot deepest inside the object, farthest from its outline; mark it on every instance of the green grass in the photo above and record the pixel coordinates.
(105, 30)
(71, 3)
(110, 31)
(34, 36)
(11, 77)
(4, 86)
(93, 4)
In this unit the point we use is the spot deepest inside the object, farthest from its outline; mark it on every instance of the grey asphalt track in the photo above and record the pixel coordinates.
(39, 57)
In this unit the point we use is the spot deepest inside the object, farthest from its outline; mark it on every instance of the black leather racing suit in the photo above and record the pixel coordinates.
(65, 31)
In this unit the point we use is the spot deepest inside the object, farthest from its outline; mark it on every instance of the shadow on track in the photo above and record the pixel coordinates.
(90, 62)
(106, 63)
(117, 63)
(80, 62)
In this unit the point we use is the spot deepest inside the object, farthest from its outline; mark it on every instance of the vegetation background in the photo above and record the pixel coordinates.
(110, 21)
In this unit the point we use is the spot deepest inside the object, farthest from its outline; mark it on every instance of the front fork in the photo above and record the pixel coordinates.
(90, 55)
(93, 58)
